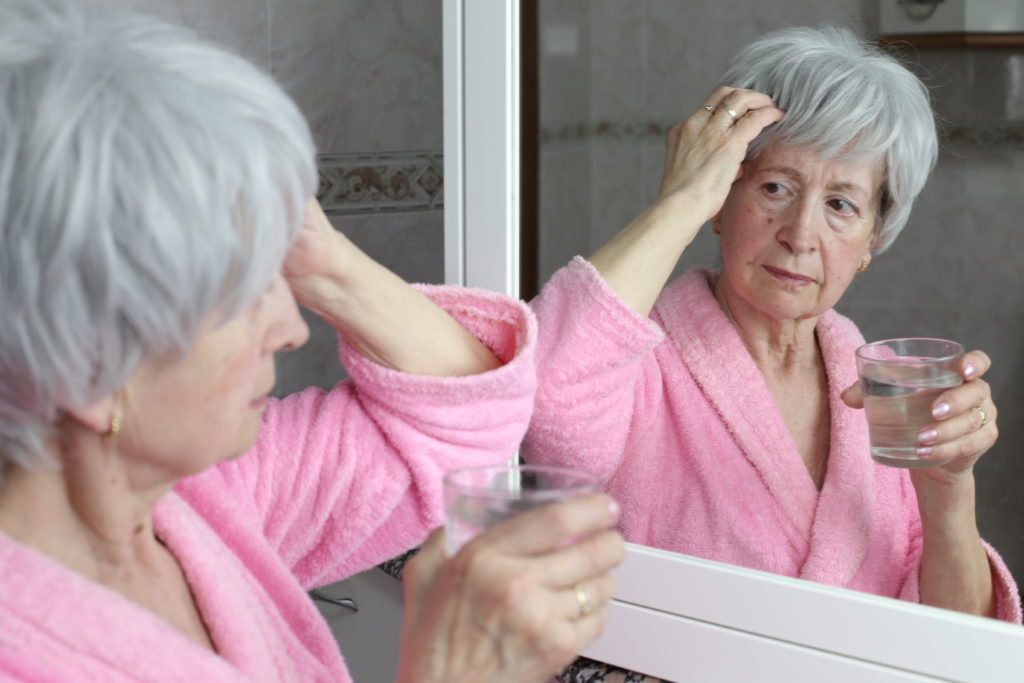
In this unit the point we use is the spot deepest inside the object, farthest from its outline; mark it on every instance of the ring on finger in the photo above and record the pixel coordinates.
(731, 112)
(984, 416)
(709, 108)
(583, 600)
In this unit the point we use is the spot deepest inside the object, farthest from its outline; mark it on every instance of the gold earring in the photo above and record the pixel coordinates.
(115, 423)
(715, 226)
(863, 266)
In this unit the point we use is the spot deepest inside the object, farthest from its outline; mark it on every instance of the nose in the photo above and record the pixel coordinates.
(287, 328)
(798, 232)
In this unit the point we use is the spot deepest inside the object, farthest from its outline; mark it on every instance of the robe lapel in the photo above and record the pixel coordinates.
(723, 368)
(56, 611)
(226, 594)
(842, 522)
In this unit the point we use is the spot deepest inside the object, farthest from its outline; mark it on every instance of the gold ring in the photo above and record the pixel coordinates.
(708, 107)
(730, 112)
(984, 416)
(583, 599)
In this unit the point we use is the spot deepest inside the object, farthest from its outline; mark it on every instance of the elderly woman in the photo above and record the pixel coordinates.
(160, 517)
(723, 407)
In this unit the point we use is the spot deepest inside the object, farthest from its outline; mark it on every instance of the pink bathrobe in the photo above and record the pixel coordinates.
(673, 411)
(338, 482)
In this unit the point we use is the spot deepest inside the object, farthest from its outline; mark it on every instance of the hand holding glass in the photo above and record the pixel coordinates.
(899, 380)
(476, 498)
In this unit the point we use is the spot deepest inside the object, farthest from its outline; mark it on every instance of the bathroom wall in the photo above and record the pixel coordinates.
(367, 75)
(616, 75)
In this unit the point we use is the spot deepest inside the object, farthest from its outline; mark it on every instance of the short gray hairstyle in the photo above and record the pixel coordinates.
(148, 180)
(845, 98)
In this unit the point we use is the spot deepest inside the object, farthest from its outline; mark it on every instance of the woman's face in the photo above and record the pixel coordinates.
(180, 416)
(794, 230)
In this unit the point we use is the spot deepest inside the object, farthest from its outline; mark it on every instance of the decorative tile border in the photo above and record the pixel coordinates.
(381, 182)
(960, 134)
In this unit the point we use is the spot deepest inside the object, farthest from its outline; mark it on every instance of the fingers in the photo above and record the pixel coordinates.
(580, 561)
(974, 364)
(730, 106)
(965, 418)
(543, 529)
(852, 396)
(590, 627)
(582, 599)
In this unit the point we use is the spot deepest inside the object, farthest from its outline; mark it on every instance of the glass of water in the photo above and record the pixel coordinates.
(900, 379)
(476, 498)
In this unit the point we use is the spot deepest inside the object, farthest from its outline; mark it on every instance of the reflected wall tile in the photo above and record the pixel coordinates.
(564, 207)
(947, 73)
(239, 25)
(996, 86)
(925, 266)
(994, 245)
(617, 59)
(691, 43)
(366, 74)
(1000, 472)
(617, 193)
(564, 61)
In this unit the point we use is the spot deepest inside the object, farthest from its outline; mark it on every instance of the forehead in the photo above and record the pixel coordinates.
(857, 172)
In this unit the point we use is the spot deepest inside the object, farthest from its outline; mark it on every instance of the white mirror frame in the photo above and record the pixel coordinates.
(674, 616)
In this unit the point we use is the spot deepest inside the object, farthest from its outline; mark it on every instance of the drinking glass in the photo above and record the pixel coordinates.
(900, 379)
(476, 498)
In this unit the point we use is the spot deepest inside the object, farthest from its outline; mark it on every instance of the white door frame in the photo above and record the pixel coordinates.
(481, 144)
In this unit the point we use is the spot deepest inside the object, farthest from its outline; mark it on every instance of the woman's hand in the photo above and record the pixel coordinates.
(704, 156)
(317, 245)
(965, 422)
(705, 153)
(517, 602)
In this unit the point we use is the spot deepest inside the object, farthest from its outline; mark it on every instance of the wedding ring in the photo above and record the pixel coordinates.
(708, 107)
(730, 112)
(984, 416)
(583, 599)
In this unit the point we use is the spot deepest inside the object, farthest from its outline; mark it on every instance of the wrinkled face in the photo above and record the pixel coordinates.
(183, 415)
(794, 230)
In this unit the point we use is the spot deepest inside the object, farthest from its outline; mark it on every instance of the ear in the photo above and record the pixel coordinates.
(96, 416)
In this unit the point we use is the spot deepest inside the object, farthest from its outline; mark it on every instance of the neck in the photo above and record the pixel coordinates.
(87, 514)
(779, 344)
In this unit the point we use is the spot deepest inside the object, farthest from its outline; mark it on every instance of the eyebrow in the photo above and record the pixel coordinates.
(837, 186)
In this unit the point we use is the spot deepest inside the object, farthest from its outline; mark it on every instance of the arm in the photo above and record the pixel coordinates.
(702, 161)
(375, 310)
(956, 569)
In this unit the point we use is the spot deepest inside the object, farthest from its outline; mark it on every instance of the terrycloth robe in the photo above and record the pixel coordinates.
(675, 414)
(337, 482)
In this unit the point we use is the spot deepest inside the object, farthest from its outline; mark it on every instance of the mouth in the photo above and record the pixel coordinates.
(788, 278)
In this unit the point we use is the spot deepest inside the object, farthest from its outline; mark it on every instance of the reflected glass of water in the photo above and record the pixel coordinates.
(479, 497)
(900, 379)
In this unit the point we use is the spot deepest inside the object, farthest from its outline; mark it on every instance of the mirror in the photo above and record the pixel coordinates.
(612, 77)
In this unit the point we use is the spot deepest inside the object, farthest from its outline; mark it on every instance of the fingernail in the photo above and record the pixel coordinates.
(940, 410)
(924, 451)
(969, 370)
(927, 435)
(613, 508)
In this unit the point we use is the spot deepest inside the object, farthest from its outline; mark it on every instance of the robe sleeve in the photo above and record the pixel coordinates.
(1007, 596)
(595, 368)
(342, 480)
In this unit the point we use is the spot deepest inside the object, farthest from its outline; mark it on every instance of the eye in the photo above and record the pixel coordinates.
(842, 206)
(773, 189)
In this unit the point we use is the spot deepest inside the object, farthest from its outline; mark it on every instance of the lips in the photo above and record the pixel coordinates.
(789, 277)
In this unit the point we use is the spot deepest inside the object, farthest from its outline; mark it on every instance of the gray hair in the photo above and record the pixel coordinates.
(845, 98)
(147, 181)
